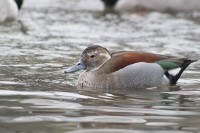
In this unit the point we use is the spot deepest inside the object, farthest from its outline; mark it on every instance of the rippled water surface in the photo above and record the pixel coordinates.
(36, 96)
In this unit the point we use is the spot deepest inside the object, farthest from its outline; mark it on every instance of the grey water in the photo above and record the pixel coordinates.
(49, 35)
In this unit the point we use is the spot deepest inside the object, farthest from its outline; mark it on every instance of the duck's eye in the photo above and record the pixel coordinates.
(92, 56)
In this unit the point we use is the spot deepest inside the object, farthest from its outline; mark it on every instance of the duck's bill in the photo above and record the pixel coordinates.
(79, 66)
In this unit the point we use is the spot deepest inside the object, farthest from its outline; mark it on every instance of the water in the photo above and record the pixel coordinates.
(37, 97)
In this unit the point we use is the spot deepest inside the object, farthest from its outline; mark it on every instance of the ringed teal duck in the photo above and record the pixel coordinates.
(9, 9)
(156, 5)
(127, 69)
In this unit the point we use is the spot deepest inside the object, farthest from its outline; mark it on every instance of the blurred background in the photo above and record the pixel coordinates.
(49, 35)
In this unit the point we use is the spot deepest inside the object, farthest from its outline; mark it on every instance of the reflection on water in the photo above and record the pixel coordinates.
(36, 95)
(66, 111)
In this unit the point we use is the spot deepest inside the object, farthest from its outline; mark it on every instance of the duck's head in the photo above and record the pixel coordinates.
(91, 59)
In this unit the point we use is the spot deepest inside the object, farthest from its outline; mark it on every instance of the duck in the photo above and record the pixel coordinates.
(127, 69)
(152, 5)
(9, 9)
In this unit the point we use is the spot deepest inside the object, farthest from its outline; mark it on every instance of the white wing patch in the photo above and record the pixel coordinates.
(175, 71)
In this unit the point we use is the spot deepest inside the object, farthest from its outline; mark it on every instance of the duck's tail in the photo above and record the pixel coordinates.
(174, 67)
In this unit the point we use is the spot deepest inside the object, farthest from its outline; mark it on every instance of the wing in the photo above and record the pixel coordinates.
(122, 59)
